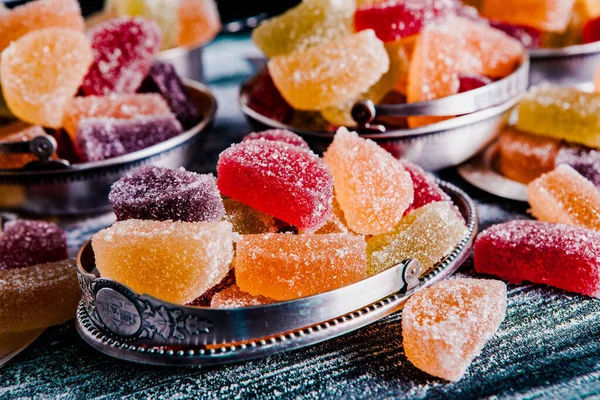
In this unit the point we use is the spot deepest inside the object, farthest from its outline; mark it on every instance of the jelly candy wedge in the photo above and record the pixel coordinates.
(246, 220)
(265, 99)
(165, 13)
(103, 138)
(234, 297)
(312, 23)
(545, 15)
(583, 160)
(284, 181)
(371, 186)
(591, 31)
(41, 72)
(37, 15)
(123, 52)
(166, 194)
(173, 261)
(199, 22)
(13, 161)
(206, 297)
(573, 35)
(563, 256)
(471, 82)
(27, 243)
(564, 196)
(332, 73)
(336, 222)
(427, 234)
(445, 326)
(285, 267)
(426, 190)
(562, 113)
(38, 296)
(278, 135)
(530, 38)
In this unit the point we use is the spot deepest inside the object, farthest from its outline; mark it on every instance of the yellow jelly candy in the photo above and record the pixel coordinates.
(545, 15)
(247, 220)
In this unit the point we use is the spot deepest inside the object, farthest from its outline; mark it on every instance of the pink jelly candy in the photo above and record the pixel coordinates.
(278, 135)
(166, 194)
(591, 31)
(123, 51)
(583, 160)
(470, 82)
(564, 256)
(28, 243)
(530, 38)
(285, 181)
(426, 190)
(266, 100)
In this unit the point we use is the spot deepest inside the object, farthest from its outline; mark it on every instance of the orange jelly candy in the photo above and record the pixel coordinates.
(13, 161)
(285, 267)
(198, 22)
(545, 15)
(234, 297)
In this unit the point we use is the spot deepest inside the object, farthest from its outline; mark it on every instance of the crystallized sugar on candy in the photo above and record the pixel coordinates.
(199, 22)
(312, 23)
(336, 222)
(173, 261)
(163, 79)
(332, 73)
(166, 194)
(246, 220)
(103, 138)
(561, 112)
(545, 15)
(41, 72)
(234, 297)
(286, 266)
(27, 243)
(523, 157)
(530, 38)
(445, 326)
(471, 82)
(564, 196)
(278, 135)
(427, 234)
(563, 256)
(166, 14)
(583, 160)
(12, 161)
(38, 296)
(426, 190)
(37, 15)
(206, 297)
(285, 181)
(265, 99)
(371, 186)
(123, 52)
(120, 106)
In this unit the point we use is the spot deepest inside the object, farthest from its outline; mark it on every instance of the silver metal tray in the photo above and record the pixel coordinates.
(121, 323)
(568, 66)
(187, 61)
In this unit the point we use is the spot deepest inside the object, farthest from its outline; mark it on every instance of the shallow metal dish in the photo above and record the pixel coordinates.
(568, 66)
(83, 188)
(187, 61)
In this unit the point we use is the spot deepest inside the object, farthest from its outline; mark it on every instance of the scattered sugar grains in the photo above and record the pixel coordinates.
(162, 194)
(545, 15)
(426, 234)
(285, 266)
(278, 135)
(38, 296)
(426, 190)
(371, 186)
(564, 256)
(199, 22)
(246, 220)
(445, 326)
(234, 297)
(336, 222)
(41, 71)
(564, 196)
(583, 160)
(11, 161)
(332, 73)
(173, 261)
(205, 298)
(284, 181)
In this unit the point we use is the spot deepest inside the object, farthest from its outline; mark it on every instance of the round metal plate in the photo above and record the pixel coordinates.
(568, 66)
(117, 312)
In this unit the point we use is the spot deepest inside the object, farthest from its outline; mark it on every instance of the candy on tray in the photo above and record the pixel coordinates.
(14, 161)
(282, 180)
(427, 234)
(445, 326)
(471, 82)
(173, 261)
(155, 193)
(265, 99)
(41, 72)
(564, 196)
(285, 266)
(199, 22)
(545, 15)
(336, 222)
(278, 135)
(583, 160)
(371, 186)
(205, 298)
(426, 190)
(530, 38)
(591, 31)
(123, 52)
(234, 297)
(246, 220)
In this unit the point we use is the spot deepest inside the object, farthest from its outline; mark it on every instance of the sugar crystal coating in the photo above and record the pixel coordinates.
(530, 38)
(336, 222)
(199, 22)
(205, 298)
(173, 261)
(234, 297)
(278, 135)
(583, 160)
(426, 190)
(471, 82)
(285, 266)
(162, 194)
(545, 15)
(445, 326)
(246, 220)
(371, 186)
(12, 161)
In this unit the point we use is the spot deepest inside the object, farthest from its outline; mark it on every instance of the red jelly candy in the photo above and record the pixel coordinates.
(287, 182)
(470, 82)
(426, 190)
(591, 31)
(278, 135)
(564, 256)
(530, 38)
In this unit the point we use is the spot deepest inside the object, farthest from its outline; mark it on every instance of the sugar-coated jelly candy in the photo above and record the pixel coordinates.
(26, 243)
(529, 37)
(278, 135)
(38, 296)
(41, 72)
(234, 297)
(246, 220)
(583, 160)
(199, 22)
(371, 186)
(426, 190)
(336, 222)
(311, 23)
(173, 261)
(162, 194)
(103, 138)
(591, 31)
(445, 326)
(545, 15)
(205, 298)
(564, 196)
(471, 82)
(561, 112)
(13, 161)
(123, 52)
(285, 181)
(285, 267)
(332, 73)
(427, 234)
(37, 15)
(563, 256)
(133, 8)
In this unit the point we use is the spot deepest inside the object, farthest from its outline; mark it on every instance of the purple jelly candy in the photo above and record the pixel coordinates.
(29, 243)
(162, 194)
(583, 160)
(102, 138)
(163, 79)
(278, 135)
